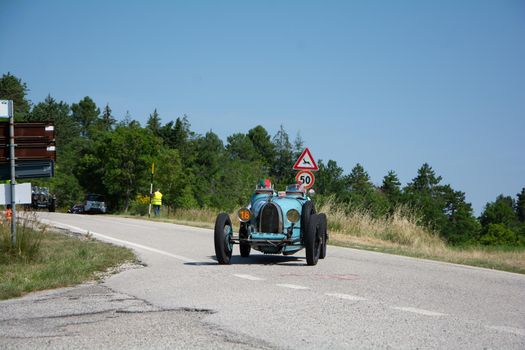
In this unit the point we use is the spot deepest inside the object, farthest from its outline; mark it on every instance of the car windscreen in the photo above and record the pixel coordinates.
(95, 198)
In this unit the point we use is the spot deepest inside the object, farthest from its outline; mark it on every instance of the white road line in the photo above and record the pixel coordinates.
(248, 277)
(127, 243)
(419, 311)
(517, 331)
(292, 286)
(345, 296)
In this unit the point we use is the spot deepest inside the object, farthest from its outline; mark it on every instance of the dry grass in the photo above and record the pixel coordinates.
(401, 234)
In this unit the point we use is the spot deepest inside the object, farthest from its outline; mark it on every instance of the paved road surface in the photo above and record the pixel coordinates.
(352, 299)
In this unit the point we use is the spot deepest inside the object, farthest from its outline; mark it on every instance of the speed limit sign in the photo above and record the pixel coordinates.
(305, 177)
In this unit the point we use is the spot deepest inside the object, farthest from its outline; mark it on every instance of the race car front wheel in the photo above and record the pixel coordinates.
(222, 237)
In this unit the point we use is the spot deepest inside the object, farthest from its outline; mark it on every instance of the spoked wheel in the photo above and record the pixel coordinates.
(313, 240)
(245, 248)
(222, 236)
(324, 235)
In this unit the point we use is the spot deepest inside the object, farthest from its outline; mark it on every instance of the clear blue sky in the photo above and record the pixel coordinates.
(388, 84)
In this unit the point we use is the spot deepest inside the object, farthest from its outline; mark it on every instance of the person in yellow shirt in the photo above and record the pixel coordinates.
(156, 201)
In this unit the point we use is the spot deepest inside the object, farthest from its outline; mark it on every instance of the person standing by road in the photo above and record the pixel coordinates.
(156, 201)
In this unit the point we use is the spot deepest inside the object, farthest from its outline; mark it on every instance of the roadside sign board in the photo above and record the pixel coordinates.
(6, 108)
(33, 141)
(22, 191)
(306, 161)
(305, 177)
(28, 169)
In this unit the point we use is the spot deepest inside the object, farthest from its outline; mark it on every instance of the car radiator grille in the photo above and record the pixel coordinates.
(270, 219)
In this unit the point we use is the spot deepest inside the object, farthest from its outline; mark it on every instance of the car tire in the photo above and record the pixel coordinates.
(245, 248)
(324, 235)
(222, 237)
(307, 211)
(312, 240)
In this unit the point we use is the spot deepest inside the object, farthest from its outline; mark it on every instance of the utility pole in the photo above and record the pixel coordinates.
(6, 110)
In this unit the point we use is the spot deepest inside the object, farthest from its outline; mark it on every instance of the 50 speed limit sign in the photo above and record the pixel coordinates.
(305, 177)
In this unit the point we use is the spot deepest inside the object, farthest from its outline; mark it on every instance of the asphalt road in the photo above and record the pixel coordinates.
(351, 299)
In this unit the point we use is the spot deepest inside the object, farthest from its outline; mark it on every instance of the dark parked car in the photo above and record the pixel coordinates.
(42, 199)
(76, 209)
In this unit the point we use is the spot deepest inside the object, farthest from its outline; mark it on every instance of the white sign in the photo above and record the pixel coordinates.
(6, 108)
(306, 161)
(22, 194)
(305, 177)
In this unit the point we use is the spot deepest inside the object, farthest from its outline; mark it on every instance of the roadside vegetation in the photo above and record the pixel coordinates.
(42, 259)
(424, 217)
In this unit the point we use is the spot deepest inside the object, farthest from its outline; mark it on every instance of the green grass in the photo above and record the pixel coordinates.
(61, 261)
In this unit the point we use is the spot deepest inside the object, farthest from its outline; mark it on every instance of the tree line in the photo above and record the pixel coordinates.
(96, 153)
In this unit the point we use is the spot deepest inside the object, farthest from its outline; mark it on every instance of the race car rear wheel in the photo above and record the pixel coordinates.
(324, 235)
(245, 248)
(222, 237)
(313, 240)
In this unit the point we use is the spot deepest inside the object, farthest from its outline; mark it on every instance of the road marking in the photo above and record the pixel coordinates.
(127, 243)
(345, 296)
(419, 311)
(292, 286)
(248, 277)
(517, 331)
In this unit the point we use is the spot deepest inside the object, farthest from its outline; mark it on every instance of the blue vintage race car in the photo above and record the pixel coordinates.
(274, 223)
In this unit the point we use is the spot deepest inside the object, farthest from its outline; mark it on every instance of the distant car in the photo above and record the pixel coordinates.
(94, 203)
(76, 209)
(274, 223)
(42, 199)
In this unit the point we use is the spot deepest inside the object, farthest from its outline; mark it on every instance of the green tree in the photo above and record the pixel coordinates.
(208, 161)
(12, 88)
(263, 145)
(240, 147)
(424, 194)
(462, 227)
(66, 129)
(125, 156)
(154, 123)
(283, 163)
(329, 178)
(391, 187)
(500, 211)
(107, 121)
(359, 180)
(86, 114)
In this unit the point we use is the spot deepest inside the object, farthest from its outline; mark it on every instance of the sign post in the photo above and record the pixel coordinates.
(151, 188)
(6, 110)
(305, 164)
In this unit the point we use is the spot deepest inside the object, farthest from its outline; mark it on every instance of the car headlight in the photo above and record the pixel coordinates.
(293, 215)
(244, 214)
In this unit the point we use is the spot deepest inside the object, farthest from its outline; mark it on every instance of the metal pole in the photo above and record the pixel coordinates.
(13, 182)
(151, 188)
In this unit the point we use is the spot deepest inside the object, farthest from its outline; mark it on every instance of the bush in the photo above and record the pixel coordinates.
(499, 234)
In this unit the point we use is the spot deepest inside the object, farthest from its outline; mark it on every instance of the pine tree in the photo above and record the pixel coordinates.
(154, 123)
(86, 114)
(108, 121)
(391, 187)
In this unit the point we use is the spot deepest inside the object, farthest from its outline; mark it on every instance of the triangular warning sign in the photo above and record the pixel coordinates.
(306, 161)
